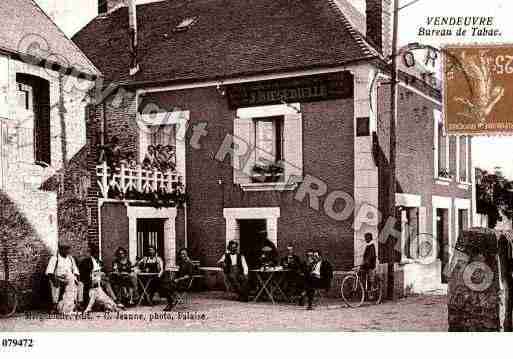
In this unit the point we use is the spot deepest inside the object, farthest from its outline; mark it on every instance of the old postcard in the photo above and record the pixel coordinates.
(263, 165)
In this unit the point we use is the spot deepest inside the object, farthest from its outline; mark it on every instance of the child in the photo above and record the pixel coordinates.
(368, 267)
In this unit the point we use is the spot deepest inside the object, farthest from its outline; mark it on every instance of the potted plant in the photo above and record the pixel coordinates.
(267, 173)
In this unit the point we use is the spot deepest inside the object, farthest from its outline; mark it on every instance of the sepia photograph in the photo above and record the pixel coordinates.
(255, 166)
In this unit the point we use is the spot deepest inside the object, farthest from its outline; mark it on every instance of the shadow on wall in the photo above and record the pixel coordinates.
(24, 255)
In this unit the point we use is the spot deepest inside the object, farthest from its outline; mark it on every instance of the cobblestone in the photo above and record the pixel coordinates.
(214, 311)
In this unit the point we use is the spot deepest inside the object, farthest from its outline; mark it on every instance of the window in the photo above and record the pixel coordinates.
(33, 113)
(462, 220)
(272, 137)
(25, 97)
(463, 159)
(162, 135)
(441, 147)
(443, 166)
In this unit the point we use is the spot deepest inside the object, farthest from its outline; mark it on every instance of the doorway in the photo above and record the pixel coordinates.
(442, 237)
(150, 233)
(250, 239)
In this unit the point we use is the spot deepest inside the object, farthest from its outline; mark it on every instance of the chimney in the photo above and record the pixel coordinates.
(378, 15)
(107, 6)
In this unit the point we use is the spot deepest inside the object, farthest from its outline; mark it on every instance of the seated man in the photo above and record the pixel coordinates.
(236, 270)
(60, 270)
(318, 275)
(368, 267)
(180, 282)
(294, 276)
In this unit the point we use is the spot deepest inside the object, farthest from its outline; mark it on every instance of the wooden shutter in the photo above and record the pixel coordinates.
(293, 147)
(42, 132)
(243, 130)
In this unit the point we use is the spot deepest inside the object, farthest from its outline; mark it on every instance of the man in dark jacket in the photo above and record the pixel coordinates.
(181, 280)
(368, 267)
(236, 270)
(318, 276)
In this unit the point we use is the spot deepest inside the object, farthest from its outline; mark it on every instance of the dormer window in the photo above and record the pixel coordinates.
(186, 23)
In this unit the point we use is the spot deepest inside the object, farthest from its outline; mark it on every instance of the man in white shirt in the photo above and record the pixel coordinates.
(236, 270)
(60, 267)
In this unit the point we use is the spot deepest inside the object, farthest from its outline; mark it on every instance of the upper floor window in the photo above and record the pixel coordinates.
(25, 97)
(441, 147)
(33, 118)
(463, 159)
(268, 149)
(272, 136)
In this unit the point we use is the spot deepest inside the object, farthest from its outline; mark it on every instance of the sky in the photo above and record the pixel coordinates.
(487, 152)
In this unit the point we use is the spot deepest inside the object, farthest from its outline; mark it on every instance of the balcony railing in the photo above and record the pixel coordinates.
(139, 184)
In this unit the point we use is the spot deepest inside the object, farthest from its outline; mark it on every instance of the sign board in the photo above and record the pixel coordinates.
(322, 87)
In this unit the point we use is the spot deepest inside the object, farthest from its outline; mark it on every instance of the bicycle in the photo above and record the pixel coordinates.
(354, 292)
(8, 299)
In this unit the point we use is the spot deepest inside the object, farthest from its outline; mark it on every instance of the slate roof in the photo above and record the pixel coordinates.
(229, 38)
(22, 20)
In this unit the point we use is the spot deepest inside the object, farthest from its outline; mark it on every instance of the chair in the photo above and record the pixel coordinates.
(181, 293)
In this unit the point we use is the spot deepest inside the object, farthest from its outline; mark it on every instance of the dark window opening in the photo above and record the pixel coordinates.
(33, 102)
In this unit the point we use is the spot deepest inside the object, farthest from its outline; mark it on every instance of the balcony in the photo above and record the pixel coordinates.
(162, 189)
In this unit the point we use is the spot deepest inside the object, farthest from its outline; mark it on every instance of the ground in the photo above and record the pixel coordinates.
(216, 311)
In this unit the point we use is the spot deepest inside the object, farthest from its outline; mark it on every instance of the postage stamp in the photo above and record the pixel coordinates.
(477, 89)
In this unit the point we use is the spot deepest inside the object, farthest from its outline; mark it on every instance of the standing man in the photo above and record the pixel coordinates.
(318, 276)
(236, 270)
(368, 267)
(62, 268)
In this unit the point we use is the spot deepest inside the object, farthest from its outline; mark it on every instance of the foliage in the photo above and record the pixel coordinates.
(494, 194)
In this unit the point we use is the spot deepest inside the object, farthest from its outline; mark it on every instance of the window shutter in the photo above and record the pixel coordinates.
(243, 130)
(42, 125)
(293, 147)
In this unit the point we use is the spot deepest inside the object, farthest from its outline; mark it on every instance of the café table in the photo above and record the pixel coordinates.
(270, 280)
(145, 280)
(150, 277)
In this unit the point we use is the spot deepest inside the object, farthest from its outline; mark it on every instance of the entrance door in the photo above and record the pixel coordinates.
(250, 242)
(442, 236)
(150, 232)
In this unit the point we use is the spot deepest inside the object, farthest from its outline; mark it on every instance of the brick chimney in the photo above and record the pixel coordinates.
(378, 15)
(106, 6)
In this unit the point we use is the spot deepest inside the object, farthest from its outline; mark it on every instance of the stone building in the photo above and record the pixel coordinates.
(278, 116)
(44, 80)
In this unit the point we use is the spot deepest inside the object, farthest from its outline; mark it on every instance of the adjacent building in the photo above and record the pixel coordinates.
(277, 114)
(44, 81)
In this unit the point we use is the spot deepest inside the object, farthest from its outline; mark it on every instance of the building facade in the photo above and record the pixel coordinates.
(277, 124)
(44, 82)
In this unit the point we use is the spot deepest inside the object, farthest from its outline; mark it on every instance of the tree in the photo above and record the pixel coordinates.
(494, 194)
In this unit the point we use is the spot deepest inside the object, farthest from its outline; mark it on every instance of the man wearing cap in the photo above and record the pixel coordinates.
(61, 267)
(236, 270)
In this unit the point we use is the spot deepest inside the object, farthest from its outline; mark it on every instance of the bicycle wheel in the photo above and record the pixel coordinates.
(8, 299)
(375, 293)
(352, 291)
